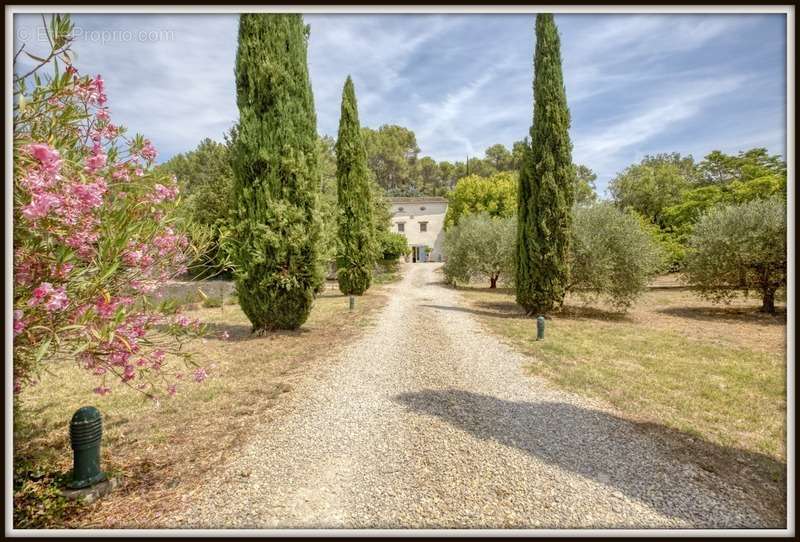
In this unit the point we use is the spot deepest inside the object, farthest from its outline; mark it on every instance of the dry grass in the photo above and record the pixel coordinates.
(709, 380)
(164, 455)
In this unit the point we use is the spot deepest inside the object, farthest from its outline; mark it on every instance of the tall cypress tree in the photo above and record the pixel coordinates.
(276, 177)
(356, 257)
(545, 183)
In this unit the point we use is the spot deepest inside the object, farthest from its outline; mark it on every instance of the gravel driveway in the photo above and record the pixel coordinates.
(428, 421)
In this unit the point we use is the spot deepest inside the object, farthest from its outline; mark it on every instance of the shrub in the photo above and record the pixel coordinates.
(392, 245)
(740, 247)
(95, 232)
(480, 247)
(612, 255)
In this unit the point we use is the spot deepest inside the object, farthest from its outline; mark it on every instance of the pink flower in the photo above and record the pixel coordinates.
(129, 373)
(47, 156)
(121, 173)
(161, 193)
(58, 300)
(183, 321)
(40, 206)
(35, 181)
(40, 292)
(96, 160)
(90, 195)
(99, 84)
(148, 151)
(102, 390)
(171, 389)
(19, 323)
(103, 115)
(105, 309)
(200, 375)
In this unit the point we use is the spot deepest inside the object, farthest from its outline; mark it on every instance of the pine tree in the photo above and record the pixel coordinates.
(276, 177)
(356, 256)
(546, 183)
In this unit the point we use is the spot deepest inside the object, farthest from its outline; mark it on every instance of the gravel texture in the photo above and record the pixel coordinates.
(428, 421)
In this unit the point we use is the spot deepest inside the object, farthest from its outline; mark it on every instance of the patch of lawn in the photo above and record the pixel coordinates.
(164, 451)
(711, 376)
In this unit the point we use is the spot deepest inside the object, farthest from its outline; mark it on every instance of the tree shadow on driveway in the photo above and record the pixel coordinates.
(623, 455)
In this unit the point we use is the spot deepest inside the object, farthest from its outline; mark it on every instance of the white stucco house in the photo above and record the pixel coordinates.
(421, 220)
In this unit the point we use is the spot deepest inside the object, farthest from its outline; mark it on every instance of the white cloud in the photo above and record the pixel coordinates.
(634, 83)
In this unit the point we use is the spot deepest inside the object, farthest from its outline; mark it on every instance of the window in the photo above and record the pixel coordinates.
(423, 226)
(422, 208)
(401, 226)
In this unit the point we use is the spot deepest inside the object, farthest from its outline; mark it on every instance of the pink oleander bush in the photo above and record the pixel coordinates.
(94, 237)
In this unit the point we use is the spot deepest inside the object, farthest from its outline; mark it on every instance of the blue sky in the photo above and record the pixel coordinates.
(636, 84)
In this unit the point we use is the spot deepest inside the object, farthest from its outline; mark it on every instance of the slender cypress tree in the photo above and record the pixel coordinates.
(276, 177)
(545, 183)
(356, 256)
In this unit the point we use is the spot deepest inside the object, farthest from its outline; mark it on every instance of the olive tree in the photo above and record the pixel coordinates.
(612, 255)
(739, 248)
(480, 247)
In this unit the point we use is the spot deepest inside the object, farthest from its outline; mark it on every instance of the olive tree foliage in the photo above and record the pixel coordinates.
(739, 248)
(480, 247)
(612, 255)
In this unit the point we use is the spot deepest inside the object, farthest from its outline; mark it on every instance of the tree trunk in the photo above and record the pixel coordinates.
(493, 281)
(768, 301)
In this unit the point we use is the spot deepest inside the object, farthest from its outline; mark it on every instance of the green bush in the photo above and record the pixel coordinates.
(740, 247)
(480, 247)
(392, 245)
(611, 255)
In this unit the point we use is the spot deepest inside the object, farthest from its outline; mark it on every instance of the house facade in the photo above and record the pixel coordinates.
(421, 220)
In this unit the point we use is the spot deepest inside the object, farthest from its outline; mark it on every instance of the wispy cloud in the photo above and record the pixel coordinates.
(650, 119)
(636, 84)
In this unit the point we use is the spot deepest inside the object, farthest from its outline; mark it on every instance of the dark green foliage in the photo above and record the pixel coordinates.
(276, 179)
(355, 260)
(612, 255)
(546, 183)
(392, 245)
(206, 181)
(740, 247)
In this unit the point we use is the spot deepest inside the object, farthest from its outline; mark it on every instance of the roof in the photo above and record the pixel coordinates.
(430, 199)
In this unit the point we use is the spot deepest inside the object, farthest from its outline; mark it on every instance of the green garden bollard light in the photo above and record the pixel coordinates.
(352, 302)
(85, 433)
(540, 328)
